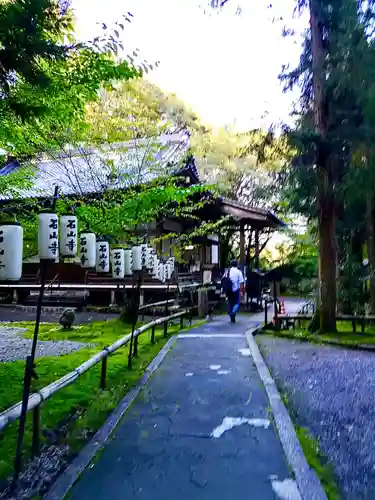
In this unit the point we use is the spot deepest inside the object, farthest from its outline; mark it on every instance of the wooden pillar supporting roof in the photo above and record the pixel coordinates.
(242, 244)
(257, 263)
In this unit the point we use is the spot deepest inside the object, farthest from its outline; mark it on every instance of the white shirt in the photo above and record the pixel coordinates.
(236, 278)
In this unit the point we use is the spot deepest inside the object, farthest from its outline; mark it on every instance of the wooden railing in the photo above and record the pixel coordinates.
(52, 282)
(154, 305)
(38, 398)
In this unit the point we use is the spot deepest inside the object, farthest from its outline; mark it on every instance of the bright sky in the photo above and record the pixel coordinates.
(225, 66)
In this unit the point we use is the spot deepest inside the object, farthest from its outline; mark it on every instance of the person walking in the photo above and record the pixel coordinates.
(233, 285)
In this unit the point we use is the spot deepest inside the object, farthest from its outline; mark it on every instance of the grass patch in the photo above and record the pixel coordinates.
(83, 400)
(318, 461)
(100, 333)
(343, 337)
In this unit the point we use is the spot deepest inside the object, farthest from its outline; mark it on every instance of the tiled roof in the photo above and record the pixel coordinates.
(190, 168)
(88, 171)
(264, 217)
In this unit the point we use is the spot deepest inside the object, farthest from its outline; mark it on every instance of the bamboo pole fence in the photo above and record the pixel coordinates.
(38, 398)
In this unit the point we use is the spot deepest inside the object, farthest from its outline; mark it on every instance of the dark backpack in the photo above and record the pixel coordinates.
(226, 284)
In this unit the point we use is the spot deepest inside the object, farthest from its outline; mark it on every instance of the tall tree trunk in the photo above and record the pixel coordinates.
(357, 285)
(326, 198)
(343, 306)
(327, 240)
(371, 247)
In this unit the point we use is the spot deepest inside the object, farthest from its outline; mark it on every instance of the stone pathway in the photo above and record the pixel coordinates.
(201, 428)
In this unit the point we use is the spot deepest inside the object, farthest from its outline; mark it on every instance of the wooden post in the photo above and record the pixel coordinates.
(242, 244)
(202, 303)
(29, 365)
(103, 374)
(265, 313)
(181, 323)
(153, 335)
(135, 351)
(257, 263)
(135, 311)
(275, 309)
(165, 328)
(35, 447)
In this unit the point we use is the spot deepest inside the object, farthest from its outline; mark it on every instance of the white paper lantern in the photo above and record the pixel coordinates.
(144, 255)
(11, 246)
(102, 256)
(171, 262)
(128, 261)
(68, 235)
(168, 271)
(137, 258)
(157, 274)
(48, 236)
(151, 253)
(155, 265)
(118, 263)
(161, 274)
(87, 250)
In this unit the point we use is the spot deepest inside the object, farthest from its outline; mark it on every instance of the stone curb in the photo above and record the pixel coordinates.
(308, 483)
(61, 487)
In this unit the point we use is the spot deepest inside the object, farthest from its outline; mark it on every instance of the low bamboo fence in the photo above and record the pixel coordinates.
(38, 398)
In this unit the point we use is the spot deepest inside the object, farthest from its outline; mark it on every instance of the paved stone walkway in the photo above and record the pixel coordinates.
(200, 429)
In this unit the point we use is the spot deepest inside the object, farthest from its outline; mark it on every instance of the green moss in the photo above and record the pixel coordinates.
(84, 400)
(319, 462)
(343, 337)
(101, 333)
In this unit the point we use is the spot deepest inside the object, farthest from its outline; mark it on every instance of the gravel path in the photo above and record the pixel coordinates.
(332, 391)
(13, 346)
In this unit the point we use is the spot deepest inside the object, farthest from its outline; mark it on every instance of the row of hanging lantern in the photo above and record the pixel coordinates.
(60, 238)
(124, 261)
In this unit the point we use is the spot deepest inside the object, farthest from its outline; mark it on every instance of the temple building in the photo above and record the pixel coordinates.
(88, 172)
